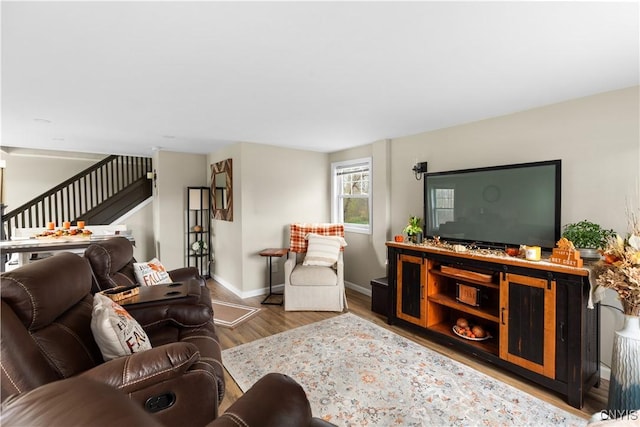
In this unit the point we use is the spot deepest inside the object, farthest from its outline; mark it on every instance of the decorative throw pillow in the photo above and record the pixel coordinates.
(115, 331)
(323, 250)
(151, 273)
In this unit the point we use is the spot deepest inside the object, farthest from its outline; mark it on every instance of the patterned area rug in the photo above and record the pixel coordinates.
(357, 373)
(231, 315)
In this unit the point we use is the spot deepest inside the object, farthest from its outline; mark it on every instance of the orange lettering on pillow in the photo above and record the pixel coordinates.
(156, 267)
(120, 311)
(152, 279)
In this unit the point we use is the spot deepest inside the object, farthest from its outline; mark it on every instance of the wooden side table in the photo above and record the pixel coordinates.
(269, 254)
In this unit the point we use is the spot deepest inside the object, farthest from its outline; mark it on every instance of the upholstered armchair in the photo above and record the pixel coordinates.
(46, 335)
(314, 269)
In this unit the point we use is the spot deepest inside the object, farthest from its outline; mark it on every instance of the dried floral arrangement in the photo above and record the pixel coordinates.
(620, 267)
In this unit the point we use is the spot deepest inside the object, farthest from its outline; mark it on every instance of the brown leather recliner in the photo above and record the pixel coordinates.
(274, 401)
(112, 266)
(46, 336)
(112, 263)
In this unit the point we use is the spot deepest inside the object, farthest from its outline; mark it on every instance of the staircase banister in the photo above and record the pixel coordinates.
(62, 185)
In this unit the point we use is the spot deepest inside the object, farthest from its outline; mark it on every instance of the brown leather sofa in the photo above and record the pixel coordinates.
(274, 401)
(112, 263)
(46, 336)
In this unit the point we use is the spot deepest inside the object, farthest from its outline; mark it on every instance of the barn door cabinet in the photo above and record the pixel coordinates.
(535, 314)
(411, 280)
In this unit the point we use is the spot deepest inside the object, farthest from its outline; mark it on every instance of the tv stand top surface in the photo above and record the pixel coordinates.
(490, 255)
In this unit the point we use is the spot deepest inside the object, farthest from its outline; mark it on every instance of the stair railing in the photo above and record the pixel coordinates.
(79, 194)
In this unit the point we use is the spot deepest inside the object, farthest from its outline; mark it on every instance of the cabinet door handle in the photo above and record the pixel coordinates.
(502, 315)
(562, 337)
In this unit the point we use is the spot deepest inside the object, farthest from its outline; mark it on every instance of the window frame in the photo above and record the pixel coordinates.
(437, 209)
(337, 210)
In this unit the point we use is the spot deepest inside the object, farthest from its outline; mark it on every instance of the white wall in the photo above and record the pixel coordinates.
(272, 187)
(140, 222)
(227, 235)
(30, 173)
(175, 172)
(365, 255)
(597, 138)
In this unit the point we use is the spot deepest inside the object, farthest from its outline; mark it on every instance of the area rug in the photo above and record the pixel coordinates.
(231, 315)
(356, 373)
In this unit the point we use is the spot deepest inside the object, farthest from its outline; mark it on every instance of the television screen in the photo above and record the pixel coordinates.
(498, 206)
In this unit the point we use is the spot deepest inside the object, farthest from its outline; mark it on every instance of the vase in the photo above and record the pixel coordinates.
(624, 385)
(416, 238)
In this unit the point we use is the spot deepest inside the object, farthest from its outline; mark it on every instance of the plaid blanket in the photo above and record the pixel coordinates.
(298, 241)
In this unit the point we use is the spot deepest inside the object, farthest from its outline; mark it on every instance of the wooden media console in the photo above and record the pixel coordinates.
(534, 312)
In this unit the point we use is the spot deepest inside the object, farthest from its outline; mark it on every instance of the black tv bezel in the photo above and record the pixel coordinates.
(500, 245)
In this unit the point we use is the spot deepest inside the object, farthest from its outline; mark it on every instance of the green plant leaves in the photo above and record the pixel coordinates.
(586, 234)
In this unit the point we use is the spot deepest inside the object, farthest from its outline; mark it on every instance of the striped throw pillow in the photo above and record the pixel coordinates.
(323, 250)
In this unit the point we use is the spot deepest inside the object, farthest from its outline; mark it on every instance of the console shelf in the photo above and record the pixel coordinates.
(527, 308)
(451, 302)
(490, 345)
(465, 279)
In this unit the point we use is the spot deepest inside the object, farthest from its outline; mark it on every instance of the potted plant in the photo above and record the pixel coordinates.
(587, 237)
(199, 246)
(414, 229)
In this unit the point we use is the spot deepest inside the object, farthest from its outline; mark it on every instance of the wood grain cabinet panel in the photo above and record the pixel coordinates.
(528, 323)
(535, 316)
(411, 285)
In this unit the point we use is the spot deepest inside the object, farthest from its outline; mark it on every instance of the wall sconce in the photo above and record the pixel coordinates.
(419, 169)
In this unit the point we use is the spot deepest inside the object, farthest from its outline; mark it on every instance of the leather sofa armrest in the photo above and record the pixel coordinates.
(140, 370)
(73, 402)
(182, 315)
(276, 400)
(186, 273)
(79, 402)
(192, 311)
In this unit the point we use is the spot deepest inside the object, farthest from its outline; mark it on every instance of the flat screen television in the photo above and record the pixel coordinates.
(495, 207)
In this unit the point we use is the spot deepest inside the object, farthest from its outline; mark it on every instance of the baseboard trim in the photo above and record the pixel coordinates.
(357, 288)
(605, 372)
(241, 294)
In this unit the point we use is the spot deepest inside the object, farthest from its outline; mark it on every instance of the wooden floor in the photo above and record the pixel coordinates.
(272, 319)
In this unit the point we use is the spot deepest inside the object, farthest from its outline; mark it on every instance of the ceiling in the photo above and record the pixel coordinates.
(132, 77)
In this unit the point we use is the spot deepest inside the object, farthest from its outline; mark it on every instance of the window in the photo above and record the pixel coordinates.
(443, 200)
(351, 194)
